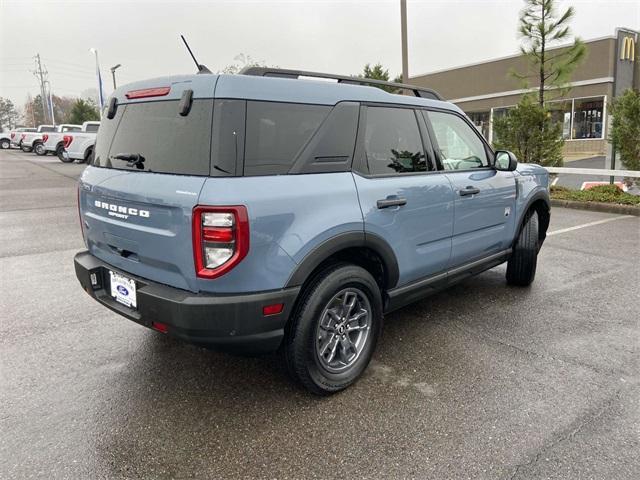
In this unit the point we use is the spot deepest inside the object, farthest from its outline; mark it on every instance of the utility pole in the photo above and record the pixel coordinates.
(40, 75)
(403, 29)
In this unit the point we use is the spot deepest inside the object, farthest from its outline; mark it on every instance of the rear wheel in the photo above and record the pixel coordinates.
(5, 144)
(39, 149)
(88, 155)
(521, 268)
(334, 330)
(60, 155)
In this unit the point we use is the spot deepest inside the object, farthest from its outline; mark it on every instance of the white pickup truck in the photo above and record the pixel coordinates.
(29, 139)
(79, 145)
(15, 135)
(52, 142)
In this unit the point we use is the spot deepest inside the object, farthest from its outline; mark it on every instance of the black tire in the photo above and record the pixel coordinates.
(59, 154)
(521, 268)
(38, 149)
(87, 156)
(5, 144)
(25, 149)
(303, 341)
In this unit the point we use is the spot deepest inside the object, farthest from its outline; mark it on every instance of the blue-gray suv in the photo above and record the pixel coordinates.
(283, 210)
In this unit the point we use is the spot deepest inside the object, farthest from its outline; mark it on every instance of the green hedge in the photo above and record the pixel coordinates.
(601, 193)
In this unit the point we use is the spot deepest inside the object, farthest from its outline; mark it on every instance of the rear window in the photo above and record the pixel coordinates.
(168, 142)
(276, 132)
(47, 129)
(92, 128)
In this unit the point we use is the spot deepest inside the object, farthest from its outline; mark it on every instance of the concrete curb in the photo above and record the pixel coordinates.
(598, 207)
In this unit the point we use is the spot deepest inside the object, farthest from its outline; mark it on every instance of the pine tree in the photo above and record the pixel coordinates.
(625, 128)
(83, 111)
(540, 28)
(378, 72)
(530, 133)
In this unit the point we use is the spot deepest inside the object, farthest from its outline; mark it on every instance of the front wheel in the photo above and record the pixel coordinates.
(39, 149)
(5, 144)
(521, 268)
(334, 330)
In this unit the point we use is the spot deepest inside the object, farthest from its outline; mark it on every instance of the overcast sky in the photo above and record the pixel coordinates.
(331, 36)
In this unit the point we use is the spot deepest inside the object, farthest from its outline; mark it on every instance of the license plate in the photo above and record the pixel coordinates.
(123, 289)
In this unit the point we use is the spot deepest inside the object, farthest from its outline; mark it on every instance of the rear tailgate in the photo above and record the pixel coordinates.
(141, 223)
(137, 197)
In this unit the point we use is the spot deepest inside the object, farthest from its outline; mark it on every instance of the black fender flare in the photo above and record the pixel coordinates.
(539, 195)
(343, 241)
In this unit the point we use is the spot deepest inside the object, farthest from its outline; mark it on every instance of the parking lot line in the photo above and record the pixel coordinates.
(585, 225)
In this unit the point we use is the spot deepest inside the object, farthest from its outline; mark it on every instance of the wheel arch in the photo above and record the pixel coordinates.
(369, 251)
(539, 202)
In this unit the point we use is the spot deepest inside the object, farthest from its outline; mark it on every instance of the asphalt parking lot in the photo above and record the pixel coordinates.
(481, 381)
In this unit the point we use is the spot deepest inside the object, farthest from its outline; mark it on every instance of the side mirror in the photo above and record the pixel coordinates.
(505, 161)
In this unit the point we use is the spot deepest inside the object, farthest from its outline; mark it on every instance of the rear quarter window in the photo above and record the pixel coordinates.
(169, 142)
(276, 132)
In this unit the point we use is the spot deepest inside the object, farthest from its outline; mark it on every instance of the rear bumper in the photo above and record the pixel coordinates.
(227, 322)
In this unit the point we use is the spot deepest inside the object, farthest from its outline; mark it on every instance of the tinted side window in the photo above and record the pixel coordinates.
(92, 127)
(392, 141)
(459, 146)
(276, 132)
(227, 144)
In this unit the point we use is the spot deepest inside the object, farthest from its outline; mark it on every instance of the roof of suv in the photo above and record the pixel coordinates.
(251, 87)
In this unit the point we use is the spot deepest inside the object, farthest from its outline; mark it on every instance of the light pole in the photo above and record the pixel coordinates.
(403, 33)
(53, 119)
(100, 96)
(113, 74)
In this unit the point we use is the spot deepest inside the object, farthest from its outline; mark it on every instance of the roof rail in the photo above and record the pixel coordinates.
(284, 73)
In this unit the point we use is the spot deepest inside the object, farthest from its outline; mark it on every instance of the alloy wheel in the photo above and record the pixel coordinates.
(343, 330)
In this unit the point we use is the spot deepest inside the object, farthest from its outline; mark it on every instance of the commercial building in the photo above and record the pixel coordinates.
(487, 90)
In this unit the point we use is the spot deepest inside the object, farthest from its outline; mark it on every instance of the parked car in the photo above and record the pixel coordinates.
(252, 213)
(16, 135)
(31, 140)
(53, 142)
(79, 145)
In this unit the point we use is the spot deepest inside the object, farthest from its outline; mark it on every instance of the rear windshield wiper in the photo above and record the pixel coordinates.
(132, 159)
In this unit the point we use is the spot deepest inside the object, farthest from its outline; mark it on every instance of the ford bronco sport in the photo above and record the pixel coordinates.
(261, 211)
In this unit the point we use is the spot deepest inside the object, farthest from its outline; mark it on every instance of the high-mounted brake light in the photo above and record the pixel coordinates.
(148, 92)
(220, 239)
(45, 137)
(67, 139)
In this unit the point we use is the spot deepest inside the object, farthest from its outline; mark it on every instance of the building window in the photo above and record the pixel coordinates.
(482, 121)
(561, 113)
(587, 118)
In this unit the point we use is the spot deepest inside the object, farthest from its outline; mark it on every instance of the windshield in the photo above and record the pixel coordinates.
(154, 137)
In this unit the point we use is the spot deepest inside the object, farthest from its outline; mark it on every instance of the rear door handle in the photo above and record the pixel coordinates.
(391, 201)
(468, 191)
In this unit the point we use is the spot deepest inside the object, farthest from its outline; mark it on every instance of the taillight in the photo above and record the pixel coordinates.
(22, 136)
(79, 212)
(13, 135)
(45, 137)
(148, 92)
(220, 239)
(67, 139)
